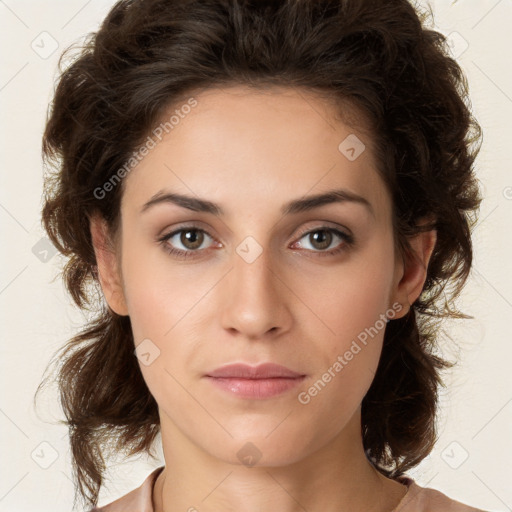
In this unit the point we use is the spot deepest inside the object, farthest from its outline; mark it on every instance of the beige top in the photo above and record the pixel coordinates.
(417, 499)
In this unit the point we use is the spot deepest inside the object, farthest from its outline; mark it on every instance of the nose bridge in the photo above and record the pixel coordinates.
(253, 265)
(255, 301)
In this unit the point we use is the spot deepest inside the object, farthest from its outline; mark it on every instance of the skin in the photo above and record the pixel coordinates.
(251, 152)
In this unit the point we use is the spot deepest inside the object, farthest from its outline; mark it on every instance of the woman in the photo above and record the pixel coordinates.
(272, 197)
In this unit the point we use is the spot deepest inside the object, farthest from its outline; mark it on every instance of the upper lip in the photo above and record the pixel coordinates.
(246, 371)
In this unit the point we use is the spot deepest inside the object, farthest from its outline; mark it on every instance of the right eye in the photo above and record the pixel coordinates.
(191, 239)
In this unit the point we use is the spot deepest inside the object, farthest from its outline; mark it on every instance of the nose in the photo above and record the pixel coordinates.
(255, 298)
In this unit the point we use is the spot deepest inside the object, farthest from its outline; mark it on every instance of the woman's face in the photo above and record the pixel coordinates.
(256, 280)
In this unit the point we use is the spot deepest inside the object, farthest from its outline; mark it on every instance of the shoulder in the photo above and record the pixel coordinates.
(138, 500)
(424, 499)
(417, 499)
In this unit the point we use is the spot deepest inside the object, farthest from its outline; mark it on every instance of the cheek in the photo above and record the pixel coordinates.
(352, 307)
(352, 299)
(348, 363)
(159, 295)
(164, 303)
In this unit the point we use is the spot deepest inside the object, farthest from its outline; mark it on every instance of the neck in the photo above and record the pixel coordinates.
(337, 477)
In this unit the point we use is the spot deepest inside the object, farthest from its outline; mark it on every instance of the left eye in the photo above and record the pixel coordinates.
(322, 238)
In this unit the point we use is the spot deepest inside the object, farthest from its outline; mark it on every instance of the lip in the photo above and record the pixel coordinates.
(255, 382)
(246, 371)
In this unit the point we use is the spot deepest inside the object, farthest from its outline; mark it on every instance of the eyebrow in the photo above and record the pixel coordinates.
(296, 206)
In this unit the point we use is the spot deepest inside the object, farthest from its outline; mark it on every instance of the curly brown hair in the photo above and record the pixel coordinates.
(380, 56)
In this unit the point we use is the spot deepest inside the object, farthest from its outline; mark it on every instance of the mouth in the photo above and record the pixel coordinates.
(264, 381)
(256, 388)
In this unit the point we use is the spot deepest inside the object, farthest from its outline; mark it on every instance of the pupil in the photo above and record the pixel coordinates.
(322, 239)
(191, 237)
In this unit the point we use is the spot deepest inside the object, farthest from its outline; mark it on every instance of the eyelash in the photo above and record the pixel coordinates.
(347, 239)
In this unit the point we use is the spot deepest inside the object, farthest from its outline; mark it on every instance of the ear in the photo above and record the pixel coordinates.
(411, 270)
(109, 274)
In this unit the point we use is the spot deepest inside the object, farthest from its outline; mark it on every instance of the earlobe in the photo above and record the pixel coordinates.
(108, 272)
(415, 266)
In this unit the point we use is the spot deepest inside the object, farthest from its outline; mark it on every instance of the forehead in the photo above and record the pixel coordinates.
(271, 143)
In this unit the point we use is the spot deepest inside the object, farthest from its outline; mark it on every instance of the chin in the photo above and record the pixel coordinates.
(267, 449)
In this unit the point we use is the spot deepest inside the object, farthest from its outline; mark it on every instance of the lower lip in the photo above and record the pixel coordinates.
(256, 388)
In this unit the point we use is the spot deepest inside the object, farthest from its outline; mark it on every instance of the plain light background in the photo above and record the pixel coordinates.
(472, 459)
